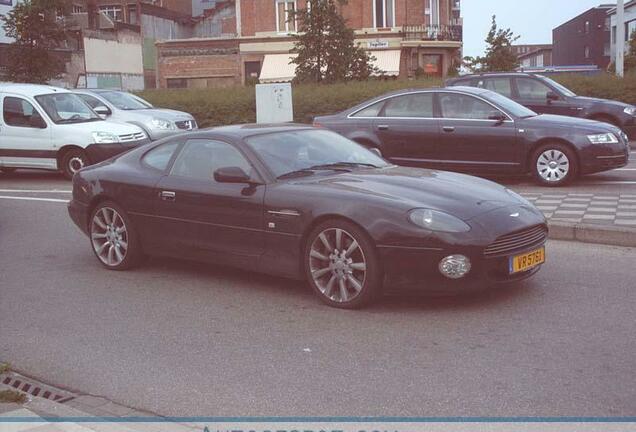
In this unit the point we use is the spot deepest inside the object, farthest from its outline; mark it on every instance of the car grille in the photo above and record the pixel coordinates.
(521, 239)
(132, 137)
(186, 124)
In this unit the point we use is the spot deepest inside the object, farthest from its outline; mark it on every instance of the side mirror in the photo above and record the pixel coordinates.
(497, 116)
(552, 96)
(231, 175)
(102, 111)
(37, 122)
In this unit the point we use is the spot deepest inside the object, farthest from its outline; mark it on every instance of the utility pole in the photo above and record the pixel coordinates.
(620, 38)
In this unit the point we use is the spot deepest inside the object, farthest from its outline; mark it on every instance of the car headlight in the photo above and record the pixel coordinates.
(631, 110)
(437, 221)
(163, 124)
(105, 138)
(606, 138)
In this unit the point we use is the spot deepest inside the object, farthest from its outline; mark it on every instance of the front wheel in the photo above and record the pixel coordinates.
(113, 238)
(73, 161)
(554, 165)
(341, 265)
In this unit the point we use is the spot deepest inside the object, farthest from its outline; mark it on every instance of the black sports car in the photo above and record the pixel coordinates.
(479, 131)
(306, 203)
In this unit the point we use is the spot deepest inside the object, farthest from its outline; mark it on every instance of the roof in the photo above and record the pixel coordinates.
(30, 90)
(629, 4)
(251, 129)
(535, 52)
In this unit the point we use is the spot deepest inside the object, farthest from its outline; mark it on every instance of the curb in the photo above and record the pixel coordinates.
(588, 233)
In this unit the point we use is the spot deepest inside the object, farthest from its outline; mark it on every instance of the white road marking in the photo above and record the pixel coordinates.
(33, 199)
(625, 169)
(35, 191)
(607, 183)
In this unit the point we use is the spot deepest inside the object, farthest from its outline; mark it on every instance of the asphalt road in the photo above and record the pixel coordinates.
(192, 339)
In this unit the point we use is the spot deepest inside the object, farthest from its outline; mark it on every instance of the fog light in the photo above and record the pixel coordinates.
(454, 266)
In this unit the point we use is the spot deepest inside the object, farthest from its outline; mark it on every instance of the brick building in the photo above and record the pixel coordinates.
(405, 36)
(533, 55)
(583, 40)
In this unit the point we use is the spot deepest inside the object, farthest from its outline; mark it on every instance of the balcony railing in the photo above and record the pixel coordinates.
(433, 32)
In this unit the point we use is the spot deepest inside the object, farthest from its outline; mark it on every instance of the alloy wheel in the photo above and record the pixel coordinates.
(337, 265)
(109, 236)
(553, 165)
(75, 164)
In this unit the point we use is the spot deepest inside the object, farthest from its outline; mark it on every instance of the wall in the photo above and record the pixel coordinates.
(630, 16)
(569, 40)
(114, 60)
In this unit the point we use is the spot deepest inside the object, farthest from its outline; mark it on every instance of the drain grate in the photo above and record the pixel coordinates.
(34, 388)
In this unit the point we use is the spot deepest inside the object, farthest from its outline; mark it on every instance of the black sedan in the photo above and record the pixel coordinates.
(479, 131)
(306, 203)
(546, 96)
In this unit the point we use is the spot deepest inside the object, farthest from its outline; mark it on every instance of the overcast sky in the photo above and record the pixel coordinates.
(533, 20)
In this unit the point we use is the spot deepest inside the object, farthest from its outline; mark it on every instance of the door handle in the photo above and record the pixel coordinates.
(383, 127)
(448, 128)
(168, 195)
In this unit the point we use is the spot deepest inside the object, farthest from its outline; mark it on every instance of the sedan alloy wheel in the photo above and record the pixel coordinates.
(554, 165)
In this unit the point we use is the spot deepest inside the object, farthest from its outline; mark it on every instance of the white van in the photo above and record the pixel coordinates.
(51, 128)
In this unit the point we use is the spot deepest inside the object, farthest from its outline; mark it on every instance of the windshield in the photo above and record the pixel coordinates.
(566, 91)
(125, 101)
(66, 108)
(508, 105)
(305, 151)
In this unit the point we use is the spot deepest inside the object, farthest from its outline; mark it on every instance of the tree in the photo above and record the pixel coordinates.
(35, 26)
(630, 57)
(499, 55)
(326, 48)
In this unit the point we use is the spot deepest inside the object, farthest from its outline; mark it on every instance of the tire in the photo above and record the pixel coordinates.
(7, 170)
(115, 249)
(554, 165)
(349, 277)
(72, 161)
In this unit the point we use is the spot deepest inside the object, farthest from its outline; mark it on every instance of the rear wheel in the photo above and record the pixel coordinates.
(73, 161)
(113, 238)
(341, 265)
(554, 165)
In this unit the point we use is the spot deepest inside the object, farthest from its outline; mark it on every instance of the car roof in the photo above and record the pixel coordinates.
(30, 90)
(251, 129)
(491, 74)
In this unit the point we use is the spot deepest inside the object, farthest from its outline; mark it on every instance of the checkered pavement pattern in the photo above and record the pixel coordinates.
(607, 209)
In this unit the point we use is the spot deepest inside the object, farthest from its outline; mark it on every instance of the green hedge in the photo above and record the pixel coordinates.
(213, 107)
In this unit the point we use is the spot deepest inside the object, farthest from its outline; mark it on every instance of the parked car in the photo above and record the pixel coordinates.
(546, 96)
(51, 128)
(480, 131)
(300, 202)
(126, 107)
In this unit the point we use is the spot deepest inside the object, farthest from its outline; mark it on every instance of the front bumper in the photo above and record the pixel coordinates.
(604, 157)
(100, 152)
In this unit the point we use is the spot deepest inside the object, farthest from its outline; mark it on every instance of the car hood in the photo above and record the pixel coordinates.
(111, 126)
(461, 195)
(549, 120)
(589, 101)
(159, 113)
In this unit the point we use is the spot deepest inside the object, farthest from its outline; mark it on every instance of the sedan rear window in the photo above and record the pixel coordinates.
(160, 156)
(370, 111)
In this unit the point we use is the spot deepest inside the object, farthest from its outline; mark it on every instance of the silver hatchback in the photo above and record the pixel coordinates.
(126, 107)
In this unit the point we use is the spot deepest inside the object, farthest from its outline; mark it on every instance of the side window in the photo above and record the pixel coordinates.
(532, 89)
(159, 157)
(458, 106)
(499, 85)
(370, 111)
(200, 158)
(411, 105)
(20, 113)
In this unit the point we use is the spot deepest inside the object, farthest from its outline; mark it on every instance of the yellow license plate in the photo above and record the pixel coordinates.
(526, 261)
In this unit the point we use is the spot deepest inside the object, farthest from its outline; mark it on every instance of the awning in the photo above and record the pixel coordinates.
(388, 61)
(277, 68)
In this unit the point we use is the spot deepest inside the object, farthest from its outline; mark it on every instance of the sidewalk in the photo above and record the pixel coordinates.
(617, 210)
(74, 413)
